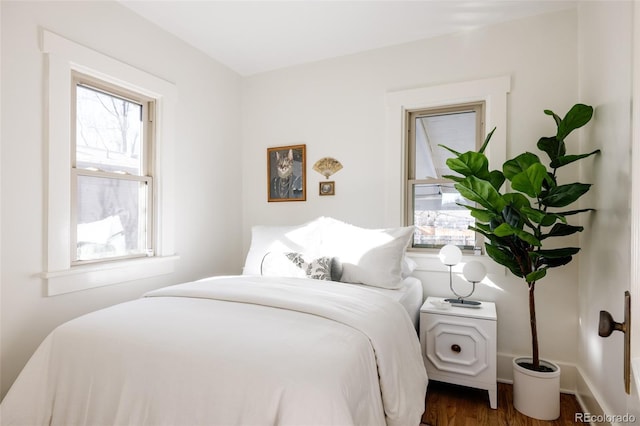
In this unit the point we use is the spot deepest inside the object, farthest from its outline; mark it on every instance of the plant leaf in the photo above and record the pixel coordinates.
(552, 146)
(450, 150)
(568, 159)
(481, 192)
(454, 177)
(542, 218)
(556, 253)
(555, 116)
(530, 180)
(536, 275)
(505, 230)
(555, 257)
(486, 141)
(578, 116)
(519, 164)
(470, 164)
(563, 195)
(496, 178)
(504, 257)
(562, 229)
(534, 215)
(480, 214)
(549, 182)
(572, 212)
(482, 228)
(512, 216)
(556, 261)
(516, 200)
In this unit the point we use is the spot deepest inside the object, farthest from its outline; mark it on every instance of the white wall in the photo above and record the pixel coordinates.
(207, 159)
(337, 107)
(605, 34)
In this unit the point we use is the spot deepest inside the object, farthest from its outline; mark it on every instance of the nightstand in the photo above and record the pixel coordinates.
(459, 345)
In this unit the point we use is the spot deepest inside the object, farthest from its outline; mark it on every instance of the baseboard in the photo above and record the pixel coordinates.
(589, 397)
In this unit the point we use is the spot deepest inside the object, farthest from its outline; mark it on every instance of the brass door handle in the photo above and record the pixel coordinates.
(607, 325)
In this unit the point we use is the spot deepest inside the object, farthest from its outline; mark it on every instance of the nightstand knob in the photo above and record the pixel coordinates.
(456, 348)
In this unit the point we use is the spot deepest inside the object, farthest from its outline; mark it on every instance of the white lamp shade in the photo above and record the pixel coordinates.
(474, 271)
(450, 255)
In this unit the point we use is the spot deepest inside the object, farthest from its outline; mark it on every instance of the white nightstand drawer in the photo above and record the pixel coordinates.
(456, 346)
(459, 345)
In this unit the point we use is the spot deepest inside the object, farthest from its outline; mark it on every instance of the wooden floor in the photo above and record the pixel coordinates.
(453, 405)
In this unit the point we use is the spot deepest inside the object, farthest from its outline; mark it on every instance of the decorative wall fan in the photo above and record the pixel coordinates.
(327, 166)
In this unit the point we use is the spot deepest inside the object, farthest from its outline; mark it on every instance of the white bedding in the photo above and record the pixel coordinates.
(409, 295)
(229, 351)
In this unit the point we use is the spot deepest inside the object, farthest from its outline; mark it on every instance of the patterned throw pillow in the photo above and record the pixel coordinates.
(291, 264)
(318, 269)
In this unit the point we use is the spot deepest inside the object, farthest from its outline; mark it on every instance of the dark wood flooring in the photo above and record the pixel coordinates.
(453, 405)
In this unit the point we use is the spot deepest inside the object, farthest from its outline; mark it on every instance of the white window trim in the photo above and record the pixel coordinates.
(493, 91)
(63, 56)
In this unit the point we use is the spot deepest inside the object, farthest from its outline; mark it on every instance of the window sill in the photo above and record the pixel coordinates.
(429, 261)
(85, 277)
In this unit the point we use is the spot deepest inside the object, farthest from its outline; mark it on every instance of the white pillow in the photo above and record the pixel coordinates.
(296, 265)
(368, 256)
(303, 238)
(408, 266)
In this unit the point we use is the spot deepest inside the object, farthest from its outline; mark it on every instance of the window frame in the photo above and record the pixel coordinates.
(493, 91)
(148, 141)
(411, 181)
(62, 57)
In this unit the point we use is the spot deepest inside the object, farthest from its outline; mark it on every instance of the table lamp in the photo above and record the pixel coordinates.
(473, 271)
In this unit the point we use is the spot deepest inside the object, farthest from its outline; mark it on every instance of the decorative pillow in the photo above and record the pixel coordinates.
(296, 265)
(264, 239)
(368, 256)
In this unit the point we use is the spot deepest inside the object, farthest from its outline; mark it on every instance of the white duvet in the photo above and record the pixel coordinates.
(229, 351)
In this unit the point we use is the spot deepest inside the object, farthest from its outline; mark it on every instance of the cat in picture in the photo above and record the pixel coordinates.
(286, 184)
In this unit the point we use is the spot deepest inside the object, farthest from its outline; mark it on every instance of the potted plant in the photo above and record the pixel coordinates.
(518, 224)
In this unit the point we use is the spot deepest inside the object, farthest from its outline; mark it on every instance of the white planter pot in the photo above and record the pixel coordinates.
(536, 394)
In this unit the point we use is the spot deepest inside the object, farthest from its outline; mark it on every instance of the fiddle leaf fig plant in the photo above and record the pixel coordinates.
(518, 224)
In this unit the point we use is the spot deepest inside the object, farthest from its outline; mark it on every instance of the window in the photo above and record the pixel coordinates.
(492, 93)
(106, 201)
(432, 201)
(112, 208)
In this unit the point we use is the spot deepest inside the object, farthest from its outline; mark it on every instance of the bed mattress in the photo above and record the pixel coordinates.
(229, 351)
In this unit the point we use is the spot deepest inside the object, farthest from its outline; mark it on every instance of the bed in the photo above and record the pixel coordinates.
(269, 347)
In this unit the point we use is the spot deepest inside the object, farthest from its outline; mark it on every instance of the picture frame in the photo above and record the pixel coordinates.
(287, 173)
(327, 188)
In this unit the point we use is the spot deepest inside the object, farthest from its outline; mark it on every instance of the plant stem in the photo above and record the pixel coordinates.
(534, 333)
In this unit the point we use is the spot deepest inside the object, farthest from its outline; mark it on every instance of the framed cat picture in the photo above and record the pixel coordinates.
(286, 173)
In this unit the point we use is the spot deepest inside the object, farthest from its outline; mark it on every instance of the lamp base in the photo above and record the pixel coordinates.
(464, 303)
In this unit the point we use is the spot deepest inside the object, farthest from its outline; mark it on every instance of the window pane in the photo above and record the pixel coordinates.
(111, 217)
(109, 132)
(438, 219)
(455, 130)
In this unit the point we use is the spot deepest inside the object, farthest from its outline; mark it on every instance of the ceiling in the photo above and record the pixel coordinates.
(251, 37)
